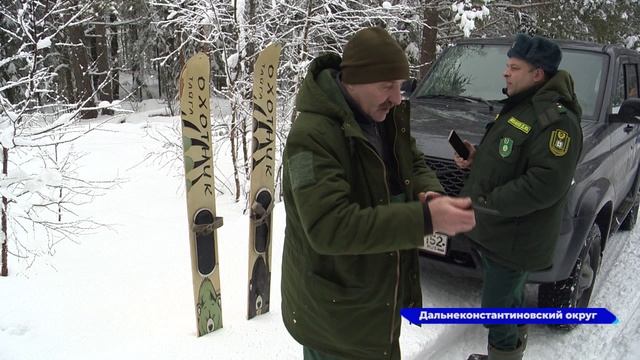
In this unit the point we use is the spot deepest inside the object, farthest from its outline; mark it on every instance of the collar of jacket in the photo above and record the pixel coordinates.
(320, 94)
(558, 89)
(512, 101)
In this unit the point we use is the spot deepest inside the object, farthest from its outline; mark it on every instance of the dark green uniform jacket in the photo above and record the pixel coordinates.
(350, 261)
(523, 168)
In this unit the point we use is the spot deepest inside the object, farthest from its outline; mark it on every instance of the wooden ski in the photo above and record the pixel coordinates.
(262, 179)
(200, 190)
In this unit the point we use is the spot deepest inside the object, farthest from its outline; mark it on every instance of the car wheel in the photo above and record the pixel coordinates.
(575, 291)
(632, 217)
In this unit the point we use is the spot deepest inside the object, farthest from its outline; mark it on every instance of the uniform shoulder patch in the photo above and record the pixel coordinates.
(559, 142)
(506, 146)
(301, 170)
(519, 125)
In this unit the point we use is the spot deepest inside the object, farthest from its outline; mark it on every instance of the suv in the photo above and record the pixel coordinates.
(462, 92)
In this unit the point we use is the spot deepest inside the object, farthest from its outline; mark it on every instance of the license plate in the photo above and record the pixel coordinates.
(436, 244)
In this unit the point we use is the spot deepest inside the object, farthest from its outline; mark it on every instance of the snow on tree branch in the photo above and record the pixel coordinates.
(38, 183)
(467, 12)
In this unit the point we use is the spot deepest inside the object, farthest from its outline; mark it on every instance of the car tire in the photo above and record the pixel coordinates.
(575, 291)
(632, 217)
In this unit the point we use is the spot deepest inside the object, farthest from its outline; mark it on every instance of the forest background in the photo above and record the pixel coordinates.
(63, 62)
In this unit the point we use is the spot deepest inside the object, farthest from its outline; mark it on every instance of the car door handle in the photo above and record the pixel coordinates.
(628, 128)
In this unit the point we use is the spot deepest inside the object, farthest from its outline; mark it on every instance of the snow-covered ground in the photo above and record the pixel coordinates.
(126, 293)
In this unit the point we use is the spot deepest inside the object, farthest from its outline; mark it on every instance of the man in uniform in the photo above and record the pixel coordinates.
(359, 200)
(521, 173)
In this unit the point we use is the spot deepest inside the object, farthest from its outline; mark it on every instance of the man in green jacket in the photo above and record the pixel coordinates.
(522, 171)
(359, 200)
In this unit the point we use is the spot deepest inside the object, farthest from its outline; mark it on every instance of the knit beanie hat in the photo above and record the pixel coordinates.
(537, 51)
(372, 55)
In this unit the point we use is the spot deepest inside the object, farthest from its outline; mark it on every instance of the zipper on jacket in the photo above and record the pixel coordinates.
(395, 295)
(395, 292)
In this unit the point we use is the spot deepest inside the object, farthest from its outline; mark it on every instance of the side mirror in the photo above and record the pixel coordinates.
(629, 112)
(408, 86)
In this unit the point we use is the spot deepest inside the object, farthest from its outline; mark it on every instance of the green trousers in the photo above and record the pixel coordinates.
(502, 288)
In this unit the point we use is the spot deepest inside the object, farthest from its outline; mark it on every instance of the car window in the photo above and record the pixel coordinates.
(618, 95)
(631, 71)
(476, 71)
(626, 86)
(587, 70)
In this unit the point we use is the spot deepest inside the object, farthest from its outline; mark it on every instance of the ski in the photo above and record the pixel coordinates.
(262, 179)
(200, 190)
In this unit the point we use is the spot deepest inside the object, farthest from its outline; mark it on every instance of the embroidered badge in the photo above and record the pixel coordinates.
(519, 125)
(506, 146)
(559, 142)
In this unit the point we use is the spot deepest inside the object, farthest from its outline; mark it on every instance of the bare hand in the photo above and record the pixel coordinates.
(451, 215)
(462, 163)
(424, 197)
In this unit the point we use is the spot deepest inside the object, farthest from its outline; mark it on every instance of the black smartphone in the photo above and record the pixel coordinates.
(458, 145)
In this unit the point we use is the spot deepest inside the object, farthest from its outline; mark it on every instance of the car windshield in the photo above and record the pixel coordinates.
(475, 72)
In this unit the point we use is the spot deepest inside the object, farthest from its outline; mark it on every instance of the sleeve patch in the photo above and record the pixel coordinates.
(301, 170)
(559, 142)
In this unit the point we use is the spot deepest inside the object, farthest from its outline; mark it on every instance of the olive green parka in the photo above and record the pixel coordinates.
(523, 169)
(349, 261)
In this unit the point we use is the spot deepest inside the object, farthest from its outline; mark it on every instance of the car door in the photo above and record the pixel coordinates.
(624, 137)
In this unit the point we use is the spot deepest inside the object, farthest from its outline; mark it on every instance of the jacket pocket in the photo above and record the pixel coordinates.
(352, 319)
(328, 291)
(498, 235)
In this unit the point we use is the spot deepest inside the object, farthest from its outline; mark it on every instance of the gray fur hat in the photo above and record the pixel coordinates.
(537, 51)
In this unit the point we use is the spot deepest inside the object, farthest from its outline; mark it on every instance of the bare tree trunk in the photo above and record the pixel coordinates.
(136, 67)
(236, 118)
(65, 77)
(55, 148)
(159, 74)
(115, 64)
(234, 152)
(5, 250)
(34, 64)
(9, 92)
(429, 36)
(251, 51)
(80, 67)
(304, 49)
(102, 61)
